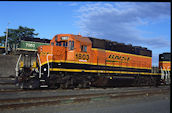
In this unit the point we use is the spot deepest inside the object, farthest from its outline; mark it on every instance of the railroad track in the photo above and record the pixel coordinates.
(24, 102)
(89, 89)
(7, 83)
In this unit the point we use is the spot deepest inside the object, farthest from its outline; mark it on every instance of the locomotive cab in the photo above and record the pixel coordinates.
(64, 49)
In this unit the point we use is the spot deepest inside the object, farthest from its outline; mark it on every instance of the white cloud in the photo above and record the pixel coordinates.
(119, 21)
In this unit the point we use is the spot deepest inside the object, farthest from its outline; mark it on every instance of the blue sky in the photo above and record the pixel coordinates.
(146, 24)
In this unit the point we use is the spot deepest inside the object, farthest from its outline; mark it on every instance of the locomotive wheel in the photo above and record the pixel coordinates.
(137, 81)
(54, 86)
(85, 84)
(31, 86)
(65, 85)
(69, 83)
(154, 82)
(33, 83)
(21, 85)
(79, 86)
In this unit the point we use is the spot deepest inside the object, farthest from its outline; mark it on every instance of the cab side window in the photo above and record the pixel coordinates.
(64, 44)
(56, 38)
(58, 43)
(83, 48)
(71, 45)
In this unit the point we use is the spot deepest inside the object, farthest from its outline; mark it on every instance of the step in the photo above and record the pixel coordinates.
(44, 86)
(42, 80)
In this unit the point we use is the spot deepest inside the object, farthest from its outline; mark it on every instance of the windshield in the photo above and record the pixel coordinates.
(64, 44)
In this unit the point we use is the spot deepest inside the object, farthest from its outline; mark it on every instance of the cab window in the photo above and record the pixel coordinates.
(64, 44)
(58, 43)
(84, 48)
(71, 45)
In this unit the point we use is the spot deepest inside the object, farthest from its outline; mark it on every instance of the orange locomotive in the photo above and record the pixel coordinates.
(165, 67)
(75, 61)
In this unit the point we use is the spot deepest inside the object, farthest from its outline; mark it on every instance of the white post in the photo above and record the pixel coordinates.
(162, 74)
(6, 49)
(168, 76)
(48, 60)
(17, 65)
(48, 64)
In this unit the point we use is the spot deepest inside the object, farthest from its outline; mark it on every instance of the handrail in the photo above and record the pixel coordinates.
(168, 75)
(17, 69)
(162, 73)
(48, 64)
(168, 71)
(39, 65)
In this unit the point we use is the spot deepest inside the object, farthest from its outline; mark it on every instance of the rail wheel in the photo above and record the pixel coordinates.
(137, 81)
(84, 84)
(154, 82)
(54, 86)
(21, 86)
(65, 85)
(30, 84)
(33, 83)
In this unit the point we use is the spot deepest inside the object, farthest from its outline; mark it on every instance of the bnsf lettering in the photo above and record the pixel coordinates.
(82, 56)
(118, 58)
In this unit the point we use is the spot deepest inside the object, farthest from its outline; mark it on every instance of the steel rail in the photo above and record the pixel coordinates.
(55, 100)
(93, 88)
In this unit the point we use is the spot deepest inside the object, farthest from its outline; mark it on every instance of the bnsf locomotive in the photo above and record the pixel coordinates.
(75, 61)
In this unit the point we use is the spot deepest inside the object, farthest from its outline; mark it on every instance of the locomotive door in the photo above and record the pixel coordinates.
(71, 51)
